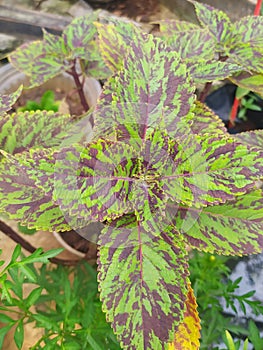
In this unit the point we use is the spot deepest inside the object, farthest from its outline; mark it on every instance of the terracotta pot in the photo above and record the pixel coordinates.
(81, 244)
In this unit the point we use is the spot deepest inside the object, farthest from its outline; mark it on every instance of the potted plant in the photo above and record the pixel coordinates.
(159, 172)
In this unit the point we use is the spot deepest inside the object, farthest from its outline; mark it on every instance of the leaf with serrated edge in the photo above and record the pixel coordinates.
(253, 82)
(251, 30)
(234, 228)
(209, 169)
(115, 41)
(188, 333)
(7, 101)
(205, 121)
(215, 20)
(145, 300)
(22, 200)
(192, 45)
(251, 138)
(153, 79)
(203, 71)
(27, 185)
(80, 37)
(21, 131)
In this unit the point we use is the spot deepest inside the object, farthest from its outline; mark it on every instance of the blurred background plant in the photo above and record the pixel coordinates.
(210, 277)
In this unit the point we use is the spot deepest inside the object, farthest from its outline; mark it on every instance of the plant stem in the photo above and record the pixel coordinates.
(79, 86)
(8, 231)
(205, 91)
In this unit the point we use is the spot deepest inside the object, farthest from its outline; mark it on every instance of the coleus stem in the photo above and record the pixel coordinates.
(234, 110)
(73, 72)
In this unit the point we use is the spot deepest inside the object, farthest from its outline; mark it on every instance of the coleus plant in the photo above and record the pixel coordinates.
(159, 171)
(217, 44)
(74, 52)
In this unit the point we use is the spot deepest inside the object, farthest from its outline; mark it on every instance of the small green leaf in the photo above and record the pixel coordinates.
(6, 319)
(230, 341)
(16, 253)
(19, 334)
(33, 296)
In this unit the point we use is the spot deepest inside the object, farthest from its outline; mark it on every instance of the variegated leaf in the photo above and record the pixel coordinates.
(192, 44)
(210, 169)
(251, 30)
(253, 82)
(22, 131)
(145, 300)
(251, 138)
(41, 60)
(154, 77)
(96, 179)
(24, 56)
(170, 26)
(248, 57)
(7, 101)
(215, 20)
(134, 122)
(22, 200)
(188, 333)
(206, 122)
(80, 37)
(115, 40)
(203, 71)
(234, 228)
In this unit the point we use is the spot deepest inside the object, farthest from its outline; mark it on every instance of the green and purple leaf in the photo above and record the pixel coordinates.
(251, 138)
(145, 300)
(210, 169)
(190, 44)
(7, 101)
(253, 82)
(80, 37)
(233, 228)
(22, 200)
(153, 80)
(203, 71)
(170, 26)
(115, 40)
(40, 129)
(250, 29)
(215, 20)
(41, 60)
(250, 58)
(205, 121)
